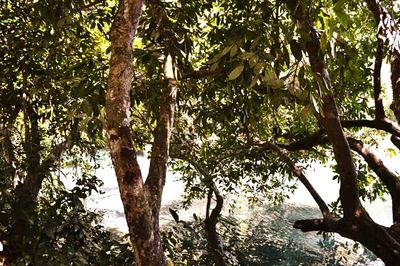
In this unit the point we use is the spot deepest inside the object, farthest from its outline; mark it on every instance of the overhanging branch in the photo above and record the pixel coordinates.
(299, 173)
(390, 180)
(312, 225)
(204, 73)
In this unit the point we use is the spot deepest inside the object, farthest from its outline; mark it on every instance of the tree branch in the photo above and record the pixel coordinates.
(162, 133)
(299, 173)
(307, 143)
(142, 220)
(54, 155)
(210, 224)
(204, 73)
(312, 225)
(330, 121)
(385, 124)
(387, 30)
(379, 111)
(391, 181)
(211, 218)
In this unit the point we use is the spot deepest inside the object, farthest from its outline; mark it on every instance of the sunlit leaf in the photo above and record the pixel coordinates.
(235, 73)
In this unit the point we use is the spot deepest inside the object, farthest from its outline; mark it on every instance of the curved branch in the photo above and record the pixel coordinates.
(385, 124)
(210, 224)
(391, 181)
(329, 119)
(299, 173)
(211, 220)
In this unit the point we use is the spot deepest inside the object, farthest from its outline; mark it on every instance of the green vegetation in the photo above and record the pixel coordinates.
(235, 96)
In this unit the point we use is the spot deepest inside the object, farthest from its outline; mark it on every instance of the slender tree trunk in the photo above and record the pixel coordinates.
(210, 225)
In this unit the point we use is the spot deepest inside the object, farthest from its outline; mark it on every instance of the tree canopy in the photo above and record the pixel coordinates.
(238, 97)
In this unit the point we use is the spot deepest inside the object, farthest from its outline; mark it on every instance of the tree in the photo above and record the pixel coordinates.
(264, 87)
(355, 222)
(141, 199)
(52, 90)
(249, 68)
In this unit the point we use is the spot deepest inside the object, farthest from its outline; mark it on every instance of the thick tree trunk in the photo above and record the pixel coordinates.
(141, 200)
(147, 247)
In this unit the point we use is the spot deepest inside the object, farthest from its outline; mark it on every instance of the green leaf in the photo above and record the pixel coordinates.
(226, 50)
(174, 215)
(315, 105)
(391, 152)
(235, 73)
(253, 82)
(258, 67)
(87, 108)
(306, 112)
(301, 75)
(339, 4)
(233, 50)
(343, 17)
(324, 42)
(272, 80)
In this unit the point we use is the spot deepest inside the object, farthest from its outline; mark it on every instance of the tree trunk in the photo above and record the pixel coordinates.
(356, 224)
(141, 200)
(210, 225)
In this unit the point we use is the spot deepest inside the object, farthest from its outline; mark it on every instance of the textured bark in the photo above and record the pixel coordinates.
(210, 225)
(329, 117)
(160, 150)
(356, 223)
(391, 181)
(388, 30)
(141, 200)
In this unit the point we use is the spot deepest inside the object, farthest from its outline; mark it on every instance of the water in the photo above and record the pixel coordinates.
(268, 228)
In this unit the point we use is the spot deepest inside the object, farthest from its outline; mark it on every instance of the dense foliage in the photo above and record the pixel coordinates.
(256, 92)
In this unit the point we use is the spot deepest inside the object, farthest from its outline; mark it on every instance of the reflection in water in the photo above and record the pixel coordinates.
(266, 231)
(274, 241)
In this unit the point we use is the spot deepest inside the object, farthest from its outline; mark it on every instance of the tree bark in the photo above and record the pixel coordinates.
(329, 118)
(210, 225)
(356, 223)
(388, 29)
(141, 200)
